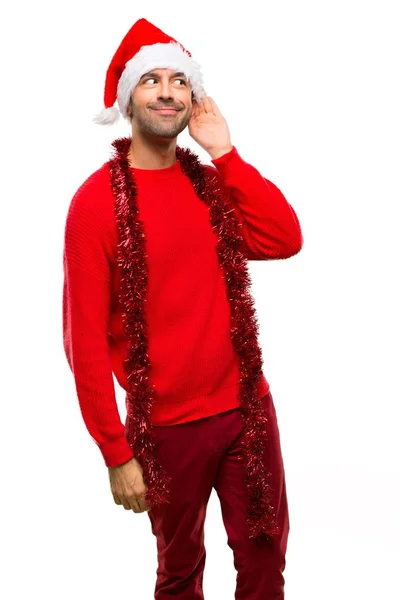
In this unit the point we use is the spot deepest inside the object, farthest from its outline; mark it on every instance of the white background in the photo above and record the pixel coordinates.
(319, 98)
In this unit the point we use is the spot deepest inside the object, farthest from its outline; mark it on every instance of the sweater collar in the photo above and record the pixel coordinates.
(156, 174)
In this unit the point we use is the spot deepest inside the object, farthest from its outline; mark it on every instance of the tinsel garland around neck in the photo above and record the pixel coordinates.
(261, 520)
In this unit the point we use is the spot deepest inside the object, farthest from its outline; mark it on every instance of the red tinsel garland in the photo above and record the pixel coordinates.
(261, 520)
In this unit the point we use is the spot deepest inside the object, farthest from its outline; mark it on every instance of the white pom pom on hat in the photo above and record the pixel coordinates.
(107, 116)
(144, 47)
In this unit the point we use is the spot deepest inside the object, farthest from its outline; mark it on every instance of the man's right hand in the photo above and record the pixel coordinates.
(128, 487)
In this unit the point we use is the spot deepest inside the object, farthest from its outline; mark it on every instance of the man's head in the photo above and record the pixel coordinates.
(143, 49)
(161, 89)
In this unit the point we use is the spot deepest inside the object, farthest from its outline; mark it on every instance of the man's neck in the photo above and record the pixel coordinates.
(158, 155)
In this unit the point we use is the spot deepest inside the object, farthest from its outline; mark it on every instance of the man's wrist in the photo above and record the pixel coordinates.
(219, 152)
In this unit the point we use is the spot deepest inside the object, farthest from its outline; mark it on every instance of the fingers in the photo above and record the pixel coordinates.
(214, 106)
(135, 504)
(196, 109)
(138, 503)
(121, 500)
(206, 105)
(117, 499)
(128, 487)
(133, 500)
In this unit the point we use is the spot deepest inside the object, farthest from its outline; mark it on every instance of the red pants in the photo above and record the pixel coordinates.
(200, 455)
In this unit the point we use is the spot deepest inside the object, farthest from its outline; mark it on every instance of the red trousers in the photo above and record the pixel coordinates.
(201, 455)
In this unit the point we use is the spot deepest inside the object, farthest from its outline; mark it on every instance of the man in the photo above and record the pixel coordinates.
(156, 290)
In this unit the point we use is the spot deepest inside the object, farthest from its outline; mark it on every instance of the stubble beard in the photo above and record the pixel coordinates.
(148, 121)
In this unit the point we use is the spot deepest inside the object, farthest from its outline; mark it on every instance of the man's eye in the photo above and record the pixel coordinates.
(154, 79)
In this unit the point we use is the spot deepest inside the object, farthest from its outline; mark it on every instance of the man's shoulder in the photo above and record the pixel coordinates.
(91, 210)
(94, 187)
(93, 198)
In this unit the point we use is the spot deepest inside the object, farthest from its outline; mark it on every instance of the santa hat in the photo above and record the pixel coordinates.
(145, 47)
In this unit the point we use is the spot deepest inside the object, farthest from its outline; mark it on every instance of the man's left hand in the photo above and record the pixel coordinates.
(209, 128)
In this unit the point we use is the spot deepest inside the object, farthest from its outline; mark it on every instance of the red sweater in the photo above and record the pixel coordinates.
(195, 370)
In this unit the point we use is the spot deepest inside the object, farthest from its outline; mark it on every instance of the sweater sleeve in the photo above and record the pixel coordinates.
(270, 226)
(86, 306)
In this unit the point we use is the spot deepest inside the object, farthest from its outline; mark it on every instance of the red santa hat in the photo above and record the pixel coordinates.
(145, 47)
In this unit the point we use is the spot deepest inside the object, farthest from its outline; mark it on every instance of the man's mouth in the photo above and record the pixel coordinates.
(165, 111)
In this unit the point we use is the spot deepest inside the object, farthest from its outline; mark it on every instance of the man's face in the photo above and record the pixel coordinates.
(161, 88)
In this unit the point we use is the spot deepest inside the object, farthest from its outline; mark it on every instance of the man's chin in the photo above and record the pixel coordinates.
(162, 135)
(169, 133)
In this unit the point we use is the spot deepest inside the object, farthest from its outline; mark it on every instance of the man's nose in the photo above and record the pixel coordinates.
(165, 90)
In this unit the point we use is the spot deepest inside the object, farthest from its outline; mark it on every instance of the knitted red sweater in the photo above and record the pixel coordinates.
(194, 366)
